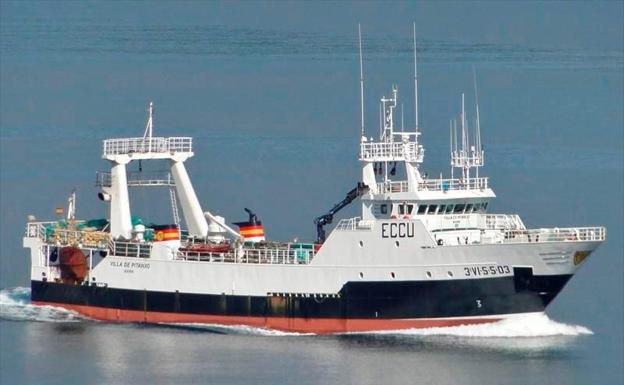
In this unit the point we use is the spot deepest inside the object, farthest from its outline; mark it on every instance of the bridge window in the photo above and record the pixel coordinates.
(441, 209)
(422, 209)
(459, 209)
(469, 208)
(432, 209)
(449, 209)
(405, 209)
(480, 207)
(383, 209)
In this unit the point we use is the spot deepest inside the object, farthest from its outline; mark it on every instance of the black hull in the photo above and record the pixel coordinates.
(521, 293)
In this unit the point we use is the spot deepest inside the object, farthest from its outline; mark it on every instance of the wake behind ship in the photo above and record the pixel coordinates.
(424, 252)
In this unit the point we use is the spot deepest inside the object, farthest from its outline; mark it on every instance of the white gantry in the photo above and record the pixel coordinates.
(121, 151)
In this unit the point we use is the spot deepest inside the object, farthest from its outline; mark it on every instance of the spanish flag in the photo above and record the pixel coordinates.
(166, 233)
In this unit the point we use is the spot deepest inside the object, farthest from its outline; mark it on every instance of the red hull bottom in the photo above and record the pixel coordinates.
(299, 325)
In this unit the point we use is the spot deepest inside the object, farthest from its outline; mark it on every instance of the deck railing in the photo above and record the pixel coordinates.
(51, 233)
(454, 184)
(137, 179)
(393, 186)
(130, 249)
(382, 151)
(38, 229)
(147, 145)
(502, 222)
(435, 185)
(355, 223)
(289, 254)
(569, 234)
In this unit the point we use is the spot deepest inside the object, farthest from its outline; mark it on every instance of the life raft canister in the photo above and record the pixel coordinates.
(73, 264)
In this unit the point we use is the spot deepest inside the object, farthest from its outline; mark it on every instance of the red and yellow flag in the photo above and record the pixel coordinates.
(166, 233)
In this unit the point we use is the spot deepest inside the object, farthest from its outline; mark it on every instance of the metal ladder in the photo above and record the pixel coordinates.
(174, 206)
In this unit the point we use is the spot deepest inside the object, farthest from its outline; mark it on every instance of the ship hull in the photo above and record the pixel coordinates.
(359, 306)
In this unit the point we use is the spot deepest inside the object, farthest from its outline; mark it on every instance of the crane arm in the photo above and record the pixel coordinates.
(326, 219)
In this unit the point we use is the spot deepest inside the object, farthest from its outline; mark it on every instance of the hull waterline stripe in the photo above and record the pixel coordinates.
(301, 325)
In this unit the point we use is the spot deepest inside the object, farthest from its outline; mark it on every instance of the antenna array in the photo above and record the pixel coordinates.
(469, 154)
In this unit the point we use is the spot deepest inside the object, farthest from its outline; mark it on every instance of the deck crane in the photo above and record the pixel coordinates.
(326, 219)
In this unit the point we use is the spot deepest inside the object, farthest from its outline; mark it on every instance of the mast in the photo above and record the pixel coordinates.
(478, 149)
(463, 134)
(361, 83)
(451, 145)
(149, 127)
(402, 120)
(71, 206)
(415, 80)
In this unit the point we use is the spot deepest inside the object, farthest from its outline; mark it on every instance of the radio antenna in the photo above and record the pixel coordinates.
(361, 81)
(478, 125)
(415, 80)
(402, 121)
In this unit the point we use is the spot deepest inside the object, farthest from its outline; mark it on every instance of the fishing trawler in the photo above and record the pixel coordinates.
(424, 252)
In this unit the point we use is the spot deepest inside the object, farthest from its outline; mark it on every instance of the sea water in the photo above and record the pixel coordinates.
(270, 94)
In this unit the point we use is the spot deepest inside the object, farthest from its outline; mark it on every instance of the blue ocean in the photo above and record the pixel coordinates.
(270, 93)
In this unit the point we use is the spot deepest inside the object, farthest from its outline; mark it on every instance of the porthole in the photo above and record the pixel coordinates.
(428, 274)
(450, 273)
(392, 274)
(396, 243)
(361, 275)
(361, 243)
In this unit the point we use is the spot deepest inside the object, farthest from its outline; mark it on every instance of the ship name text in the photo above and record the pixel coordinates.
(130, 266)
(397, 230)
